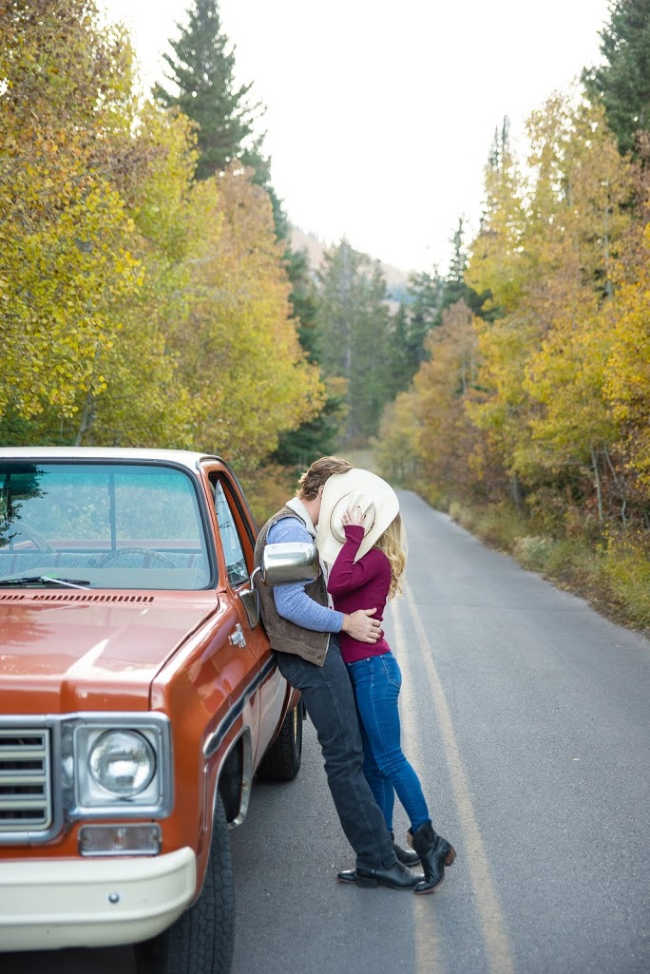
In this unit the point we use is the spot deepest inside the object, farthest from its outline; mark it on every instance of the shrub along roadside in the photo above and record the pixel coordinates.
(613, 573)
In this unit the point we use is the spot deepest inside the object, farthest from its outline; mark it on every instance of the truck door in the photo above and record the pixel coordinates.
(238, 545)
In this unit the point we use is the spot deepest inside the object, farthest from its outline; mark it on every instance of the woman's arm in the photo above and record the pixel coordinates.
(346, 575)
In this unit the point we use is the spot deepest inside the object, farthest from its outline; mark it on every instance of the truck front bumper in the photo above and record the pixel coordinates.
(48, 903)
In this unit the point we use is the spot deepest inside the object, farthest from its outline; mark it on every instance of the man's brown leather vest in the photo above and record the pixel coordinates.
(286, 636)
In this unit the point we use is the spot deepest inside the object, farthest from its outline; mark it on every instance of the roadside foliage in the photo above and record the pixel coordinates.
(540, 403)
(137, 305)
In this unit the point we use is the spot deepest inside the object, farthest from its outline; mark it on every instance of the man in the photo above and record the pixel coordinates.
(302, 629)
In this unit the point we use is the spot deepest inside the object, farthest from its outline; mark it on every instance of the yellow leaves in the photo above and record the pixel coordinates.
(427, 428)
(396, 450)
(135, 305)
(559, 388)
(566, 375)
(65, 279)
(548, 254)
(627, 373)
(238, 341)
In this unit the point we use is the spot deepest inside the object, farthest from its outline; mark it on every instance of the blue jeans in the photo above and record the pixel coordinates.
(377, 681)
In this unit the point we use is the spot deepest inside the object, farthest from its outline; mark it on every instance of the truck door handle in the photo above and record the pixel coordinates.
(237, 637)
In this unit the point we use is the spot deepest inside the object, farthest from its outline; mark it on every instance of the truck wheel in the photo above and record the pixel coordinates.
(282, 760)
(201, 940)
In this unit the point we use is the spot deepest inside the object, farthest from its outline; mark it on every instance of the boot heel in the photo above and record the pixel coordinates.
(451, 855)
(367, 881)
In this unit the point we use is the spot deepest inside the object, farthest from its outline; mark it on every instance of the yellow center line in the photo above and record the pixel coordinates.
(497, 945)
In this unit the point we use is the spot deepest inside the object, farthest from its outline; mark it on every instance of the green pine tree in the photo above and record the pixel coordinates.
(354, 322)
(425, 301)
(431, 294)
(623, 81)
(402, 367)
(202, 72)
(454, 287)
(318, 437)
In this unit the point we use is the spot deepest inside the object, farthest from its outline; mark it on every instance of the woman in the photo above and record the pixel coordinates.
(362, 584)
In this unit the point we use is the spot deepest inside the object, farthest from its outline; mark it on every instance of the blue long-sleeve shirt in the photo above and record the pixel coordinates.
(291, 600)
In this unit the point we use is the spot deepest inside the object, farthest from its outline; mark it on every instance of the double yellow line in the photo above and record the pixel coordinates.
(472, 853)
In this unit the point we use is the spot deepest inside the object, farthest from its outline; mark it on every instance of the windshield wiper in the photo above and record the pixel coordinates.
(45, 579)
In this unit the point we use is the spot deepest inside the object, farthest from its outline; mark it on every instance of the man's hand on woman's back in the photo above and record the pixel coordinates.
(360, 626)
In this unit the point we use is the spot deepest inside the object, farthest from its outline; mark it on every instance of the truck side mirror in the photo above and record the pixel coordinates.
(290, 561)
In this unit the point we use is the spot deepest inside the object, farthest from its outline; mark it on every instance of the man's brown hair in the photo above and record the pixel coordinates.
(320, 471)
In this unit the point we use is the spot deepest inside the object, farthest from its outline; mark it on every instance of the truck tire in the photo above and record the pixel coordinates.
(201, 940)
(282, 760)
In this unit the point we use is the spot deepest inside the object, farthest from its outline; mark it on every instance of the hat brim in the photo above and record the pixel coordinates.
(375, 497)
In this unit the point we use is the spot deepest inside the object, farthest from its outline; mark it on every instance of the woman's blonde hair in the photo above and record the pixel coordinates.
(393, 543)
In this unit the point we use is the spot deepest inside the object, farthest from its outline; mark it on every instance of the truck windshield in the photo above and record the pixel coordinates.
(103, 525)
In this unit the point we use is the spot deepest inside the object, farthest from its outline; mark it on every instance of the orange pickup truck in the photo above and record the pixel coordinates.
(138, 698)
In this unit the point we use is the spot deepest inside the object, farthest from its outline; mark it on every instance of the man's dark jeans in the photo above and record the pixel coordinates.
(329, 699)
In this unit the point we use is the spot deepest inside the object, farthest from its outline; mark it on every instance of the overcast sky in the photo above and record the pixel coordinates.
(380, 113)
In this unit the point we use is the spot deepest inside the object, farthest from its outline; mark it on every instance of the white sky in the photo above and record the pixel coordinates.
(380, 113)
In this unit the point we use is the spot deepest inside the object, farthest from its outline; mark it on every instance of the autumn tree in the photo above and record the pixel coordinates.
(396, 448)
(497, 262)
(545, 391)
(627, 371)
(238, 350)
(566, 374)
(66, 254)
(138, 305)
(426, 437)
(549, 253)
(442, 386)
(500, 267)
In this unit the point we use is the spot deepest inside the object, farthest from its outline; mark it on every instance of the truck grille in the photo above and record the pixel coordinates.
(25, 792)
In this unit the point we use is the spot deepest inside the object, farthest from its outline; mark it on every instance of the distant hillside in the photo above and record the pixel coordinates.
(396, 279)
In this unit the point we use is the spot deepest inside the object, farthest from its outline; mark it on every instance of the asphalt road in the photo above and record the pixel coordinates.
(526, 715)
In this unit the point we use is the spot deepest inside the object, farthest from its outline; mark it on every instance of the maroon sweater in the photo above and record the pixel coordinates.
(360, 585)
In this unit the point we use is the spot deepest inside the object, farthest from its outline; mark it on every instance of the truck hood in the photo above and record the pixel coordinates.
(67, 651)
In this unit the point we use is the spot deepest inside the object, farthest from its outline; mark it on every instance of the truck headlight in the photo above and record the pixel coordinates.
(122, 762)
(117, 765)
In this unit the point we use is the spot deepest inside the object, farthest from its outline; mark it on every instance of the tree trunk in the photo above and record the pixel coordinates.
(87, 418)
(515, 490)
(609, 289)
(620, 487)
(597, 482)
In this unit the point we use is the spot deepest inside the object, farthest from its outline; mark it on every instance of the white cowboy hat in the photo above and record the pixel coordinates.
(375, 497)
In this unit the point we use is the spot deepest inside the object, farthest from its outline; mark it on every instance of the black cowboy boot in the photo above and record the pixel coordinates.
(407, 858)
(435, 853)
(396, 877)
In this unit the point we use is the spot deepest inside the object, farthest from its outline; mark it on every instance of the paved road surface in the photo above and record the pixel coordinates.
(526, 715)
